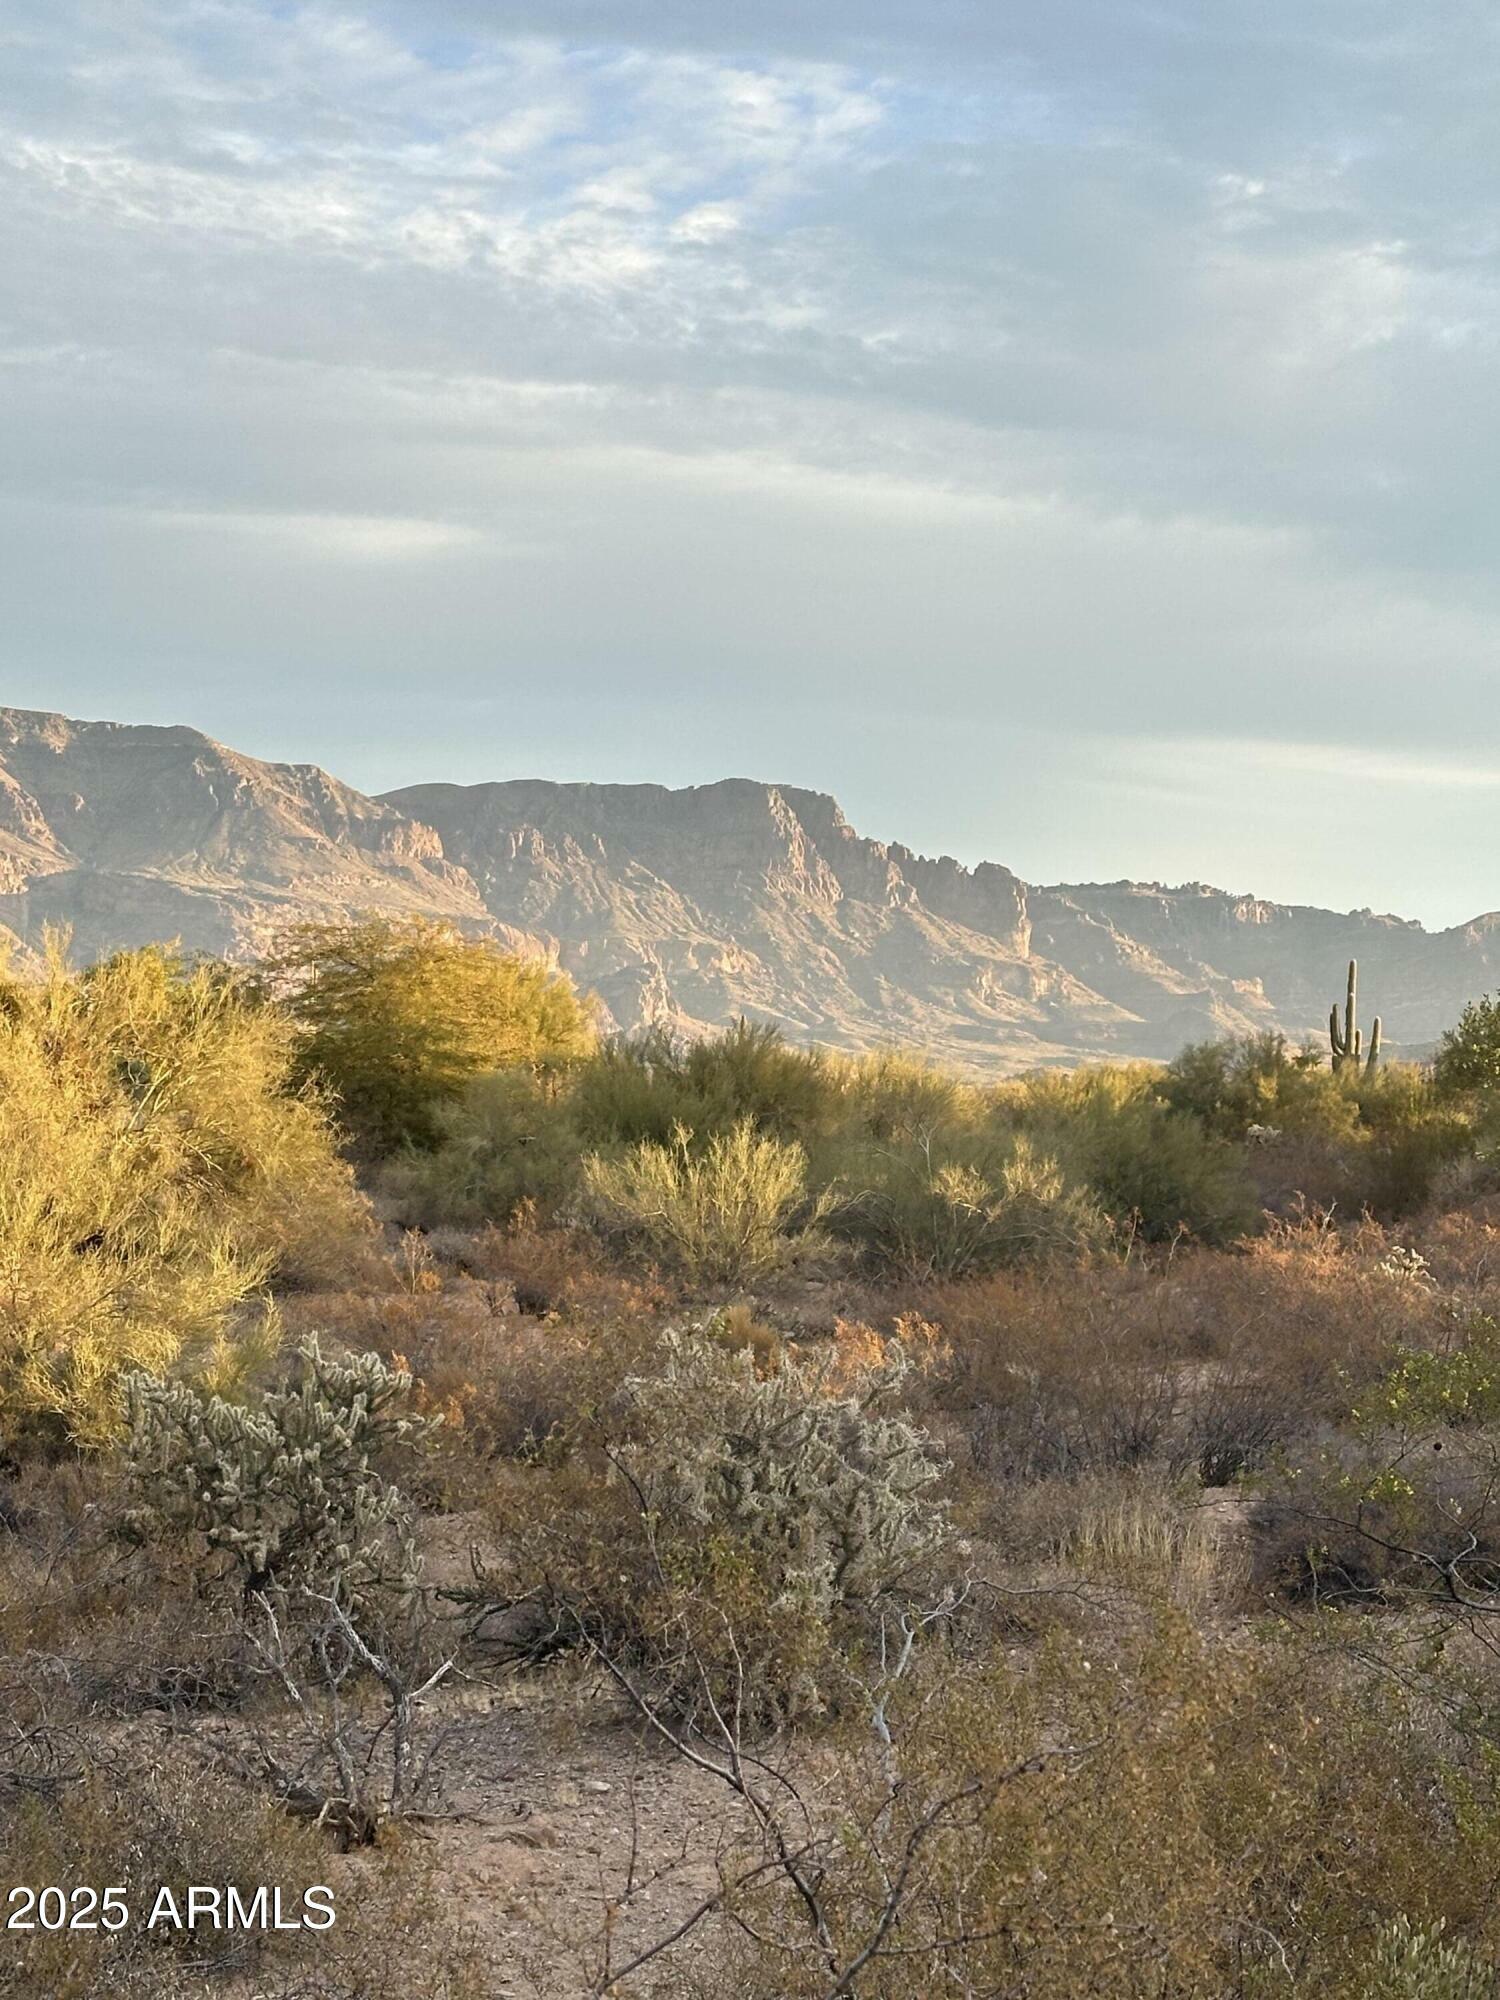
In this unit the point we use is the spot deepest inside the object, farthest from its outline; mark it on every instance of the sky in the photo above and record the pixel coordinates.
(1065, 430)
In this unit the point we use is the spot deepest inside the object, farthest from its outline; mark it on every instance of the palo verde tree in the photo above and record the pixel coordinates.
(397, 1016)
(157, 1167)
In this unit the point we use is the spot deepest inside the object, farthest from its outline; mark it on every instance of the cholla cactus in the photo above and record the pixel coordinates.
(287, 1489)
(1405, 1264)
(1418, 1964)
(834, 1495)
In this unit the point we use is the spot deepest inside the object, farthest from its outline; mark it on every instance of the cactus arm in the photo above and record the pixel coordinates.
(1374, 1055)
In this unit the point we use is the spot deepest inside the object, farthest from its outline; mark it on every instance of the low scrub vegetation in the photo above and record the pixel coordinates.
(1040, 1538)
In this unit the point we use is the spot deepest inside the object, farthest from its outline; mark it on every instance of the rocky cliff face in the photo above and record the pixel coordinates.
(685, 908)
(127, 834)
(693, 906)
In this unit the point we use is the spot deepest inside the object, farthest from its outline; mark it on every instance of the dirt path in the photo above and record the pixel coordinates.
(563, 1809)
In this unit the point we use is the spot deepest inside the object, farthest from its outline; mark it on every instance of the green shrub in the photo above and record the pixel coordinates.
(643, 1088)
(1413, 1134)
(751, 1072)
(734, 1211)
(509, 1140)
(1372, 1140)
(284, 1493)
(1148, 1165)
(949, 1205)
(1468, 1056)
(396, 1018)
(1399, 1505)
(893, 1094)
(1424, 1391)
(155, 1171)
(1253, 1081)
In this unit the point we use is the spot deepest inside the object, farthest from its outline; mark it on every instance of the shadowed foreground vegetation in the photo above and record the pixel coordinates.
(1055, 1527)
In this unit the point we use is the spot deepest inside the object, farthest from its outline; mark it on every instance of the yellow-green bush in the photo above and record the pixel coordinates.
(891, 1092)
(1369, 1139)
(1149, 1166)
(155, 1170)
(1258, 1080)
(731, 1212)
(644, 1087)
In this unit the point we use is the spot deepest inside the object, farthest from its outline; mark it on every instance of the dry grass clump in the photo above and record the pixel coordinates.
(1147, 1537)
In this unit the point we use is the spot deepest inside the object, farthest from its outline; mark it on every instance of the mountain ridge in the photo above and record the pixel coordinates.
(686, 907)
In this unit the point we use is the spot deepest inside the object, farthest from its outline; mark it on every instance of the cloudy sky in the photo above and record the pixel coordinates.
(1064, 429)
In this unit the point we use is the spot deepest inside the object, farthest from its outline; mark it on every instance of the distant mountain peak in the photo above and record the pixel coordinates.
(686, 907)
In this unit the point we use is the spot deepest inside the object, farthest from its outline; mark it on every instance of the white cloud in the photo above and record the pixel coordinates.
(1347, 762)
(707, 222)
(352, 537)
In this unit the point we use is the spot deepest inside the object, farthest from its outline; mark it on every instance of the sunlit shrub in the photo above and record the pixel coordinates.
(155, 1172)
(395, 1018)
(734, 1211)
(946, 1205)
(892, 1094)
(643, 1088)
(1354, 1140)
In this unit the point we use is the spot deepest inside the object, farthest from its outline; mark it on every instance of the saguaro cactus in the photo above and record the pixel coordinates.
(1348, 1042)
